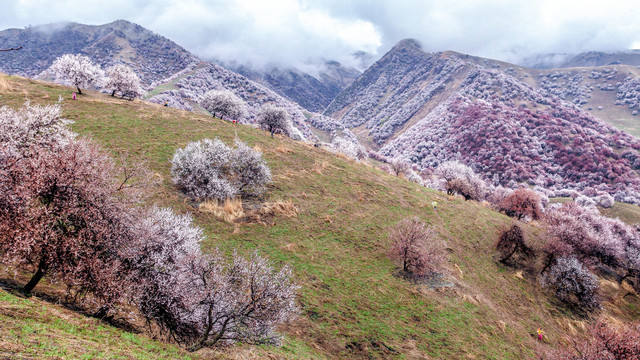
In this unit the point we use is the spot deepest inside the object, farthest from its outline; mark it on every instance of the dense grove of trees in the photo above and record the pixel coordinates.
(557, 148)
(567, 84)
(66, 213)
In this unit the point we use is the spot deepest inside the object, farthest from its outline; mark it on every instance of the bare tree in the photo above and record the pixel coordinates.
(12, 49)
(77, 70)
(224, 103)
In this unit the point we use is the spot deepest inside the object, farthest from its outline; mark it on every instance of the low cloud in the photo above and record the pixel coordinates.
(296, 33)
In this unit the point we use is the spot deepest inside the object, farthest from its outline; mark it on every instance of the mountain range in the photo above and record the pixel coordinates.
(556, 128)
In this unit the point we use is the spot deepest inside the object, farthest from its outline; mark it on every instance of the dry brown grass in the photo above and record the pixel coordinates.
(265, 214)
(280, 207)
(4, 84)
(229, 211)
(283, 149)
(319, 167)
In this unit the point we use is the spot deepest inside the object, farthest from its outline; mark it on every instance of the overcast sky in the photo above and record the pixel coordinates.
(296, 31)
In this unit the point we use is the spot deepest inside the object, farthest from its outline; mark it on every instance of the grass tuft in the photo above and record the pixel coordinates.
(230, 210)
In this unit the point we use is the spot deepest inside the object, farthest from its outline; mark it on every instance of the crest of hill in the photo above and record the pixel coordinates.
(353, 304)
(600, 58)
(151, 56)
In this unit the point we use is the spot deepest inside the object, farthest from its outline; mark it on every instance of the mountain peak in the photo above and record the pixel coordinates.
(408, 43)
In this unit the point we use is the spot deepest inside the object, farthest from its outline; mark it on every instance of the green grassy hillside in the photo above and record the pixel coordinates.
(353, 306)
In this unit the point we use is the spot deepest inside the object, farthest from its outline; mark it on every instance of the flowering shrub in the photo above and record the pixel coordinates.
(63, 210)
(572, 283)
(204, 300)
(460, 179)
(274, 120)
(209, 169)
(224, 103)
(522, 203)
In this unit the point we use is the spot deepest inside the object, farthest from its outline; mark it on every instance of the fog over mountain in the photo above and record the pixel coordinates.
(300, 32)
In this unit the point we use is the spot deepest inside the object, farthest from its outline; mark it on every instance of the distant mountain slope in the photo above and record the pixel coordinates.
(600, 58)
(398, 87)
(152, 56)
(185, 89)
(496, 117)
(313, 93)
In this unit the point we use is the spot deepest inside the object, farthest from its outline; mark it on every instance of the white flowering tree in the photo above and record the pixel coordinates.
(275, 120)
(123, 80)
(460, 179)
(209, 169)
(224, 104)
(204, 300)
(78, 70)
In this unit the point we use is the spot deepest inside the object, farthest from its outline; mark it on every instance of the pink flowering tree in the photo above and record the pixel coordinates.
(416, 247)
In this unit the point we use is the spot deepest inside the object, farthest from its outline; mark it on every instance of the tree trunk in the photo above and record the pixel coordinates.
(34, 280)
(79, 91)
(504, 259)
(550, 259)
(113, 93)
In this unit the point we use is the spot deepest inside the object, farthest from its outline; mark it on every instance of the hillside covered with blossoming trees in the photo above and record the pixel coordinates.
(431, 108)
